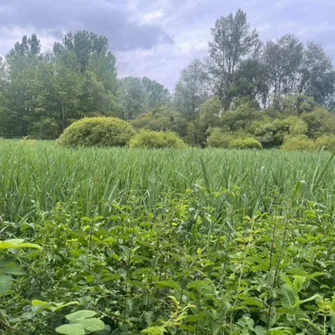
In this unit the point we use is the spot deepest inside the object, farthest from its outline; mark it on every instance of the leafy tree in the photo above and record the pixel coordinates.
(156, 94)
(241, 118)
(283, 59)
(319, 122)
(192, 90)
(132, 97)
(317, 77)
(251, 82)
(19, 95)
(233, 42)
(210, 112)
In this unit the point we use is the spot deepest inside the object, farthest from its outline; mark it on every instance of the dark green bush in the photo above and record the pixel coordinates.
(157, 140)
(245, 143)
(273, 133)
(298, 143)
(97, 132)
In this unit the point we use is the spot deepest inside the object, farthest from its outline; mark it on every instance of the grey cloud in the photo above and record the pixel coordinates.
(108, 18)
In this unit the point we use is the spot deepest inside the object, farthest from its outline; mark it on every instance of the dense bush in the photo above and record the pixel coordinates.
(241, 118)
(325, 142)
(273, 133)
(319, 122)
(97, 131)
(219, 139)
(162, 119)
(298, 143)
(157, 140)
(245, 143)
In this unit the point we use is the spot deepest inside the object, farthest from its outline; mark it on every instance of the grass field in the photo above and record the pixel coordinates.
(170, 242)
(37, 175)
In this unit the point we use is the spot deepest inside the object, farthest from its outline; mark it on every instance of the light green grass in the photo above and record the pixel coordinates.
(38, 175)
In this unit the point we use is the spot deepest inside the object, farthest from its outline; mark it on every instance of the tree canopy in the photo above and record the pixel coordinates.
(244, 85)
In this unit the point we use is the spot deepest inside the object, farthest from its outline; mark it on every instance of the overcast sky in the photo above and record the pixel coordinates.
(158, 38)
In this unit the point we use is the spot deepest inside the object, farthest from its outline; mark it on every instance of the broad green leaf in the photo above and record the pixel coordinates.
(5, 283)
(299, 282)
(92, 324)
(169, 284)
(250, 301)
(80, 315)
(71, 329)
(16, 244)
(11, 268)
(289, 297)
(260, 330)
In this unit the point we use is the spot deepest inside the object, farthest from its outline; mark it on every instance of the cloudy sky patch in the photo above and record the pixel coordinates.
(158, 38)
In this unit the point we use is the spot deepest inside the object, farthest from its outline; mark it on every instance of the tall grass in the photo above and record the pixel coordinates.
(38, 175)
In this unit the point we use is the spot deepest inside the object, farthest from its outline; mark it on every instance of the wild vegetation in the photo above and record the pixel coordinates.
(166, 242)
(100, 234)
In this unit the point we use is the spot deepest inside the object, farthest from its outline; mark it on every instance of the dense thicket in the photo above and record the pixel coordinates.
(244, 88)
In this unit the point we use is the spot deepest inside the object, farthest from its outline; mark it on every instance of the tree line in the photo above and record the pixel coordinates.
(243, 86)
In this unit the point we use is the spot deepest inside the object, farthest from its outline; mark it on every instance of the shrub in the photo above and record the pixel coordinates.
(319, 122)
(97, 131)
(241, 118)
(326, 142)
(298, 143)
(245, 143)
(273, 133)
(157, 140)
(219, 139)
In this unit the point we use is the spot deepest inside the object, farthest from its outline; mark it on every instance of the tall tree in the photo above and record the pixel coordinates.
(21, 65)
(317, 75)
(156, 94)
(192, 90)
(92, 54)
(132, 97)
(283, 59)
(233, 42)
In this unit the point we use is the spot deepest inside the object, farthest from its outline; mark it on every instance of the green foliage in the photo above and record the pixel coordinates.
(97, 132)
(146, 248)
(319, 122)
(245, 143)
(156, 140)
(298, 143)
(162, 119)
(326, 142)
(45, 129)
(273, 133)
(81, 323)
(210, 112)
(219, 139)
(241, 118)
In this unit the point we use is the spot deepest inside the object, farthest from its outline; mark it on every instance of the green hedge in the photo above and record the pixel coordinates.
(245, 143)
(157, 140)
(219, 139)
(97, 132)
(298, 143)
